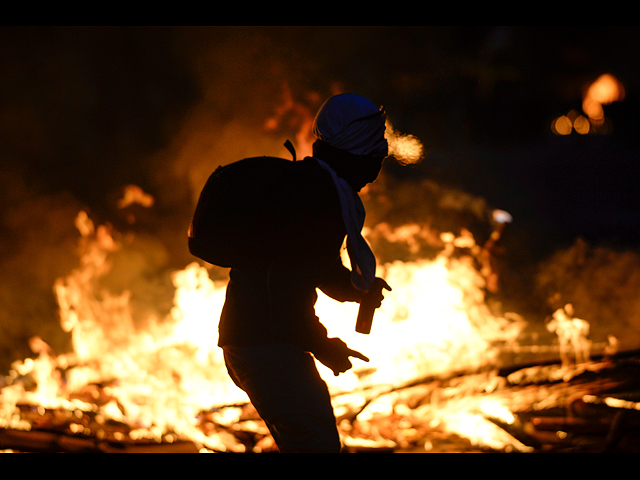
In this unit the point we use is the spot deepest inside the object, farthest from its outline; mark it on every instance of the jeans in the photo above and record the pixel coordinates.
(285, 388)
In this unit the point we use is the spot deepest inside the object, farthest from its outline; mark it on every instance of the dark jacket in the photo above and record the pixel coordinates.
(300, 231)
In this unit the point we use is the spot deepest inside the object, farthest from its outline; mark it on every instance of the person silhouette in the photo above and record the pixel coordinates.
(268, 328)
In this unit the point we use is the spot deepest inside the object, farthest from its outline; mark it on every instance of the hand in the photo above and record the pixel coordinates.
(375, 292)
(335, 355)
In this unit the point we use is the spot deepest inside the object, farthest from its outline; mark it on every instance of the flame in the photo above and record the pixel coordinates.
(435, 320)
(572, 334)
(159, 377)
(134, 194)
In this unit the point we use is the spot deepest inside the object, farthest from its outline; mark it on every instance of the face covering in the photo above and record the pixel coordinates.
(357, 170)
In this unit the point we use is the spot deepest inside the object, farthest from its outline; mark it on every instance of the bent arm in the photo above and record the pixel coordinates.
(336, 283)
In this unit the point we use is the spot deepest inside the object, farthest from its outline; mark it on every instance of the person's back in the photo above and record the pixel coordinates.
(268, 328)
(271, 298)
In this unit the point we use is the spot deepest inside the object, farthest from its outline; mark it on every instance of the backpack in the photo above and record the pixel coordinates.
(222, 230)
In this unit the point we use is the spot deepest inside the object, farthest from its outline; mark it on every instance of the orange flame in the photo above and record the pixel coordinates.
(160, 377)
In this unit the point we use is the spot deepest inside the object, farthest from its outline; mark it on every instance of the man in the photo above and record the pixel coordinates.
(268, 327)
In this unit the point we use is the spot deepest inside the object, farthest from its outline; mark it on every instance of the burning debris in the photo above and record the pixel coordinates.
(437, 379)
(154, 381)
(434, 382)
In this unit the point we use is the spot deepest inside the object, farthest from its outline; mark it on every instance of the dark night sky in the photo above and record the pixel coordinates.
(85, 111)
(81, 104)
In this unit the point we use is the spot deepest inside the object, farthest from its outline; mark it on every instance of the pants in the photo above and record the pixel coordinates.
(285, 388)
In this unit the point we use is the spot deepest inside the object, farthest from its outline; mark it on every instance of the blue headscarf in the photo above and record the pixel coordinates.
(352, 123)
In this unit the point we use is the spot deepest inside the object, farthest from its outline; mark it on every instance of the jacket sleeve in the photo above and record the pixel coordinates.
(335, 282)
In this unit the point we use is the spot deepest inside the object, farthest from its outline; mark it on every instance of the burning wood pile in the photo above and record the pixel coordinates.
(548, 408)
(434, 383)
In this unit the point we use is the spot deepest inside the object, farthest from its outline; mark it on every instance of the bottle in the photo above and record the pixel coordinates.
(365, 314)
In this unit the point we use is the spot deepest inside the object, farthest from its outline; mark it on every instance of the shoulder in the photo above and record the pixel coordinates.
(304, 187)
(306, 178)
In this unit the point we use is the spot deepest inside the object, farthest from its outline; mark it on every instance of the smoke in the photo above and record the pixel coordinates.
(85, 112)
(38, 245)
(601, 283)
(407, 149)
(90, 113)
(82, 110)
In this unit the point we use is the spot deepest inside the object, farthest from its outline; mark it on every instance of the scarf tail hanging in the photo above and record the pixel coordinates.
(363, 261)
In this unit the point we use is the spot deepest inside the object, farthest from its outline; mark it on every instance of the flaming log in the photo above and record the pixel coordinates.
(555, 408)
(57, 442)
(76, 431)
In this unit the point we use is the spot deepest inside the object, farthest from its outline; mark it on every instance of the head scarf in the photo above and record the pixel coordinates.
(352, 123)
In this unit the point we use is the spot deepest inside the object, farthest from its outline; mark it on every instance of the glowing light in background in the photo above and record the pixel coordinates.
(562, 125)
(604, 90)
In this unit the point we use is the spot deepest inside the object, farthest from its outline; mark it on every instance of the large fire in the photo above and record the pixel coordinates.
(160, 379)
(164, 377)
